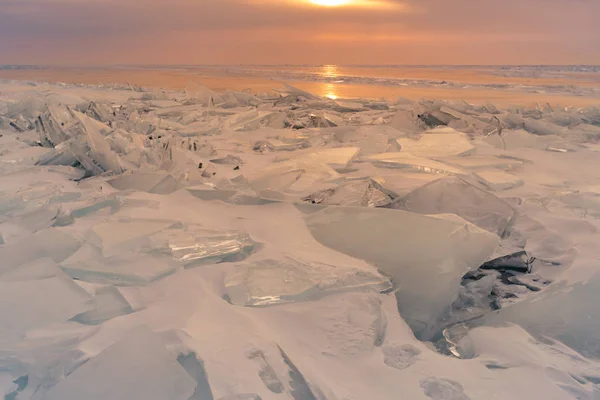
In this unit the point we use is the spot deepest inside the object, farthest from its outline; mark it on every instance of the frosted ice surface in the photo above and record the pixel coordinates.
(138, 367)
(426, 257)
(199, 248)
(150, 182)
(438, 145)
(498, 180)
(109, 303)
(124, 269)
(403, 160)
(452, 195)
(22, 307)
(568, 313)
(269, 282)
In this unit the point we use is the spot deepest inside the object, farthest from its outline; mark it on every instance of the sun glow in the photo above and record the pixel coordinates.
(331, 3)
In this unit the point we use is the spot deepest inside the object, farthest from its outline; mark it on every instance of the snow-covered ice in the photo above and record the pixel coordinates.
(233, 246)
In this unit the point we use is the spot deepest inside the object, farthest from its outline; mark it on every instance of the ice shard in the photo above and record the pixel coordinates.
(425, 256)
(108, 304)
(138, 367)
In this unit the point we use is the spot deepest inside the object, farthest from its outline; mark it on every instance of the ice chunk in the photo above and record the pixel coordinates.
(200, 94)
(197, 248)
(407, 121)
(42, 268)
(294, 91)
(498, 180)
(100, 148)
(109, 303)
(125, 269)
(366, 193)
(568, 313)
(438, 145)
(37, 303)
(426, 257)
(124, 233)
(293, 176)
(454, 196)
(482, 163)
(269, 282)
(28, 223)
(51, 243)
(335, 158)
(403, 160)
(150, 182)
(138, 367)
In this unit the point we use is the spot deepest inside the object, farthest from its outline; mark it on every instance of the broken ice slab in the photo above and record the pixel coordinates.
(565, 312)
(407, 121)
(294, 176)
(436, 145)
(37, 303)
(127, 269)
(242, 396)
(195, 248)
(425, 256)
(42, 268)
(207, 194)
(138, 367)
(271, 282)
(99, 146)
(403, 160)
(150, 182)
(452, 195)
(498, 180)
(365, 193)
(335, 158)
(200, 94)
(294, 91)
(125, 233)
(32, 197)
(28, 223)
(51, 243)
(263, 146)
(483, 163)
(108, 304)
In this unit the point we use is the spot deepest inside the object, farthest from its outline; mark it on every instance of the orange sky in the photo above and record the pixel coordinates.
(94, 32)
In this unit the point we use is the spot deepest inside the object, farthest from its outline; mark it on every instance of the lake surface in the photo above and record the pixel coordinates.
(564, 85)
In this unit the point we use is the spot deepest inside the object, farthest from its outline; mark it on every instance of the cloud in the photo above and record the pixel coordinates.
(286, 31)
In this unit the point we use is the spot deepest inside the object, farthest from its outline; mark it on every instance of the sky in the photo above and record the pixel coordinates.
(102, 32)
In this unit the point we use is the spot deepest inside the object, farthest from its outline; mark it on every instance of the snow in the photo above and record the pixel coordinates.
(202, 245)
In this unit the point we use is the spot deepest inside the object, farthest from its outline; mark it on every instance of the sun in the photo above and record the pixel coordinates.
(330, 3)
